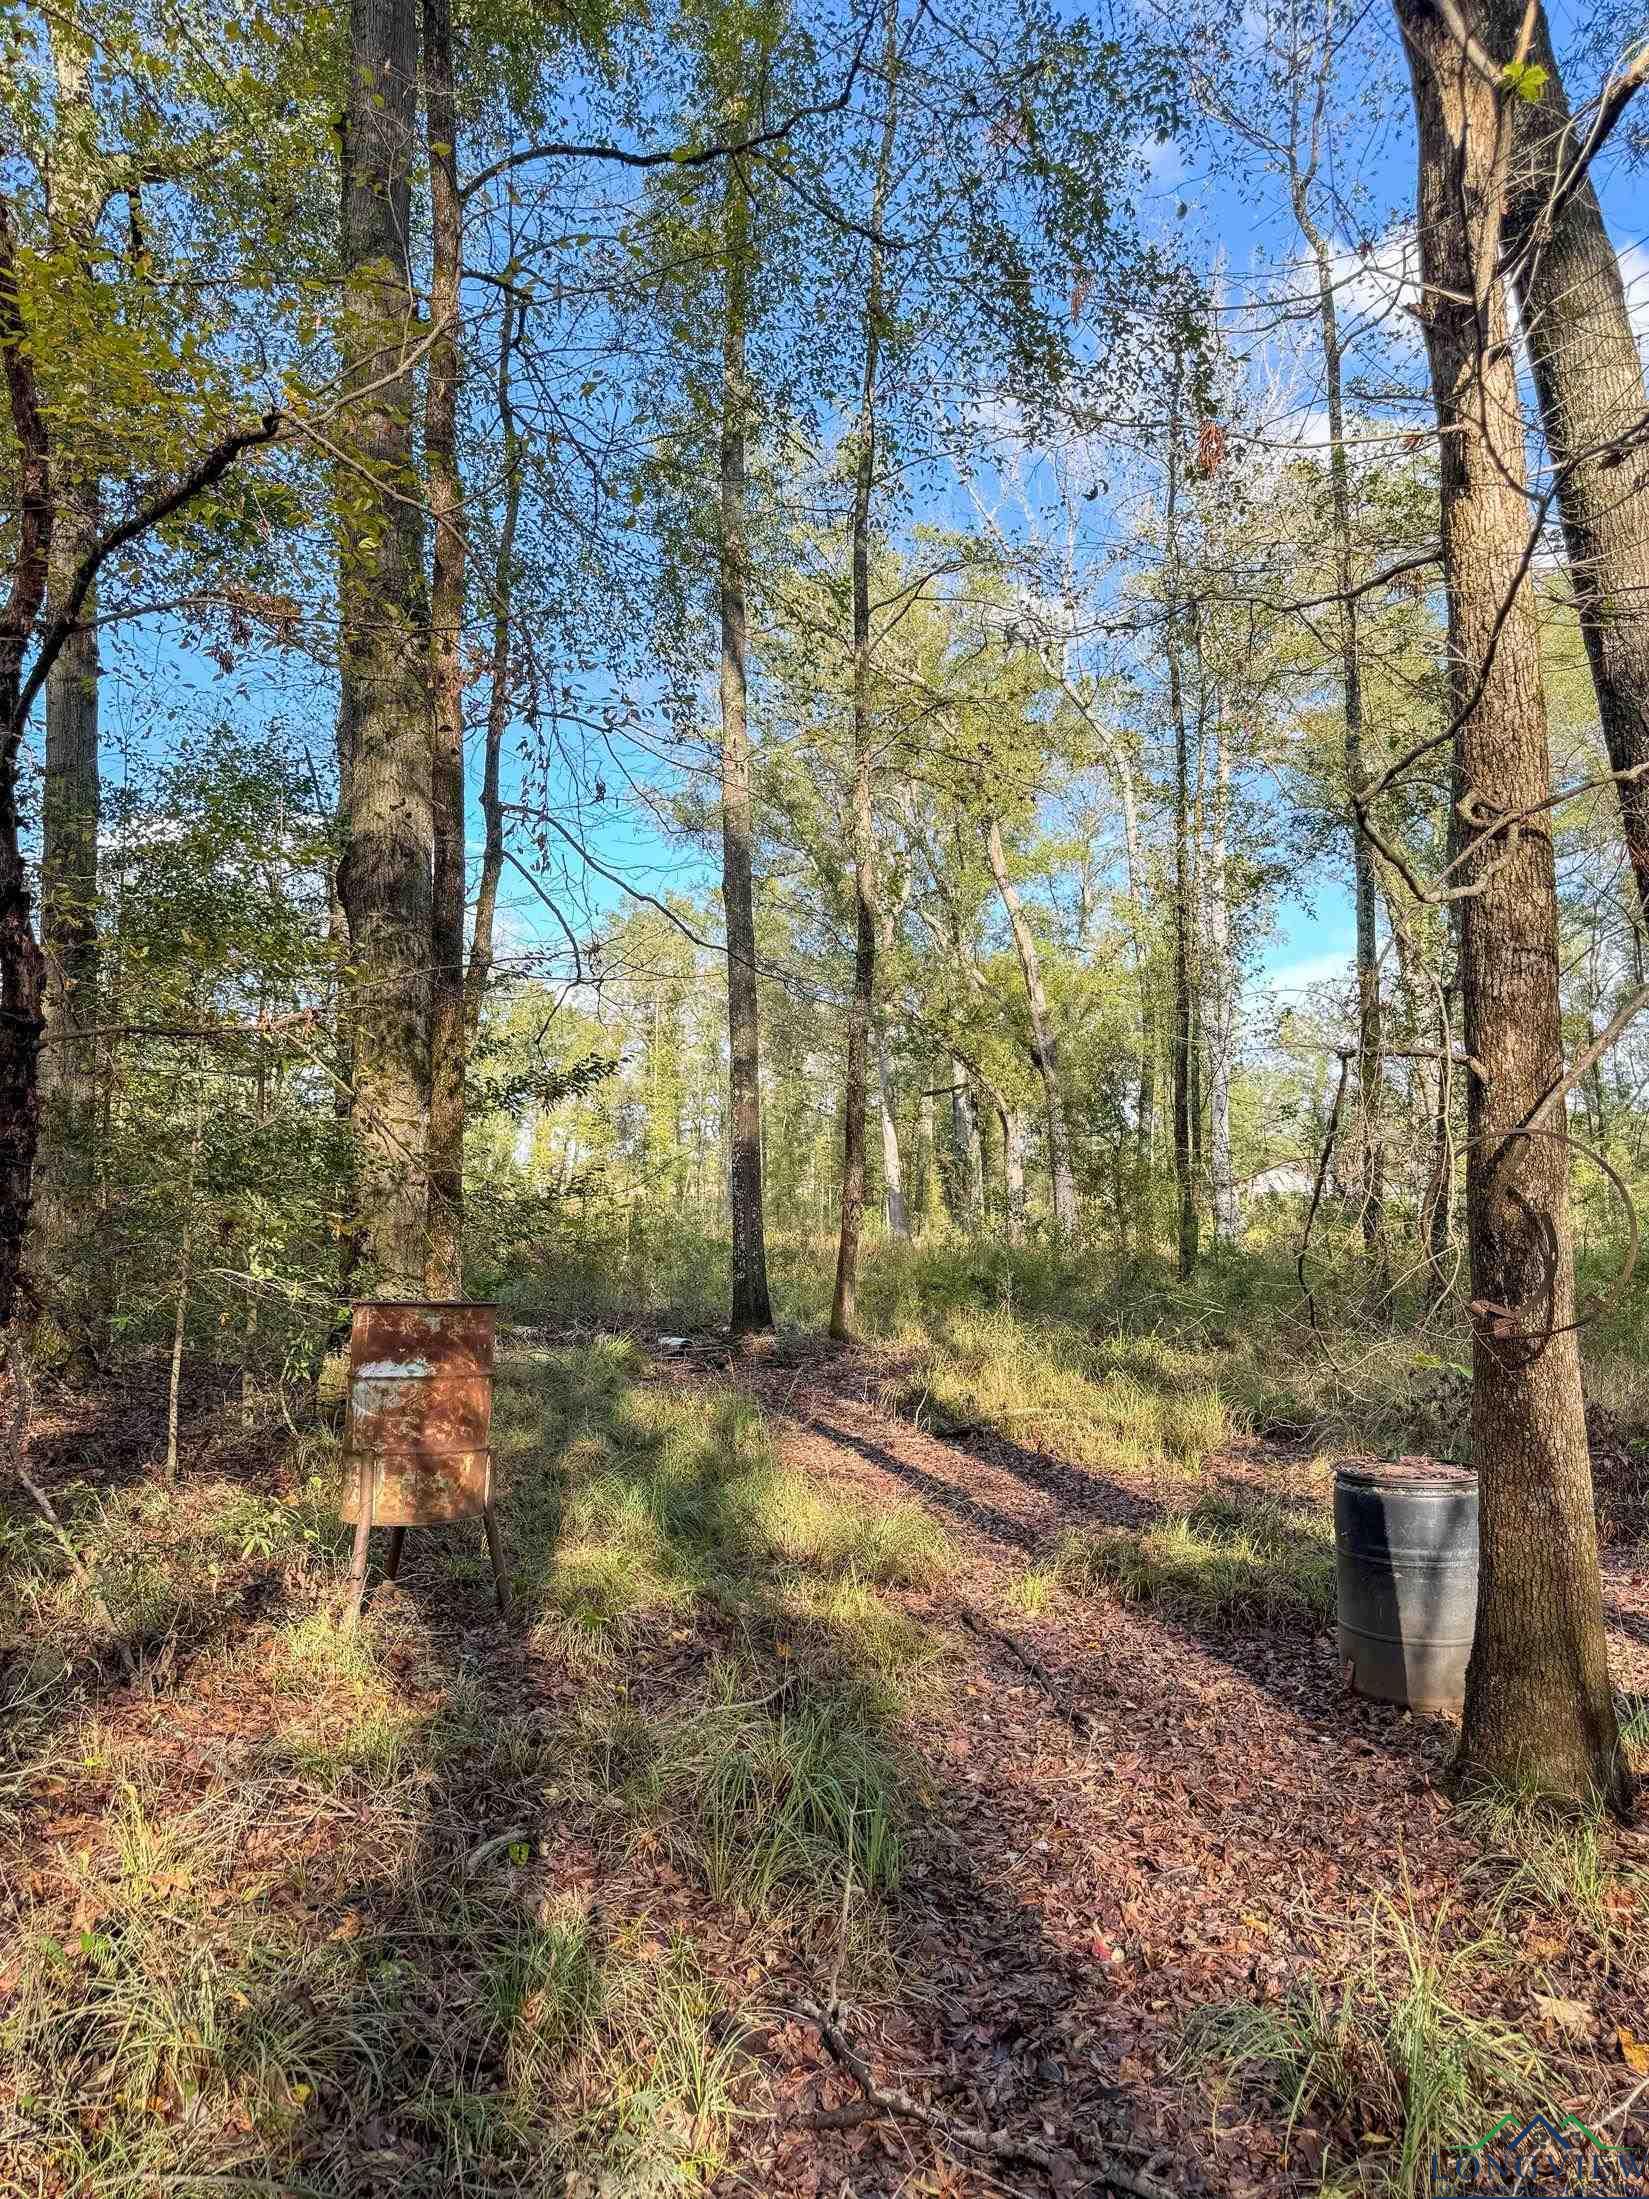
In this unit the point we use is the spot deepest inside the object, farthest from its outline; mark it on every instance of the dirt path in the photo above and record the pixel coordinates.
(1113, 1820)
(1163, 1819)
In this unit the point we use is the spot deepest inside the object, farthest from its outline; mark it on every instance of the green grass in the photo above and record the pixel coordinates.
(407, 1880)
(1555, 1870)
(1229, 1561)
(1133, 1401)
(630, 1501)
(791, 1802)
(1392, 2063)
(1034, 1591)
(349, 1916)
(1093, 1356)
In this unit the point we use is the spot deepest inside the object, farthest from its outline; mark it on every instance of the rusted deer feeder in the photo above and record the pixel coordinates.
(420, 1418)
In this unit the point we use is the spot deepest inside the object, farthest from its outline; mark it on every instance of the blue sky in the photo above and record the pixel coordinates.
(1224, 226)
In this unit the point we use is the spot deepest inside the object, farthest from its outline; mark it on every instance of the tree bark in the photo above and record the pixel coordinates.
(69, 815)
(1013, 1172)
(1043, 1038)
(386, 869)
(752, 1309)
(498, 688)
(444, 1254)
(893, 1177)
(862, 1004)
(1185, 1174)
(926, 1172)
(1117, 762)
(1369, 1066)
(1219, 991)
(71, 801)
(1538, 1704)
(970, 1154)
(1589, 381)
(22, 967)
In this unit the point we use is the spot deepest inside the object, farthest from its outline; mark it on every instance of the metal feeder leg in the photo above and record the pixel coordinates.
(363, 1531)
(392, 1563)
(495, 1551)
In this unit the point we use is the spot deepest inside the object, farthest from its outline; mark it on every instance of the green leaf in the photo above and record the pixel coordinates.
(1526, 78)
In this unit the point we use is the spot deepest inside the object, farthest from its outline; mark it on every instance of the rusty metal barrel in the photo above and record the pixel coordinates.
(1405, 1549)
(420, 1411)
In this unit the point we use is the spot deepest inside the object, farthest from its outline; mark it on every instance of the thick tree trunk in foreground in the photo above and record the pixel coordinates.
(752, 1308)
(444, 1253)
(1589, 379)
(1043, 1038)
(1538, 1703)
(386, 881)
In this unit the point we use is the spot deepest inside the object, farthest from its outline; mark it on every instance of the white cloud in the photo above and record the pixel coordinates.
(1293, 980)
(1374, 287)
(1165, 164)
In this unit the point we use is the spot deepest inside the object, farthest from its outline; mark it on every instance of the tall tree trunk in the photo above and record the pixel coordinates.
(498, 686)
(893, 1176)
(861, 1006)
(71, 803)
(1589, 380)
(69, 817)
(970, 1154)
(1219, 995)
(1043, 1038)
(1369, 1069)
(1121, 769)
(1538, 1702)
(444, 1255)
(22, 967)
(1123, 772)
(752, 1309)
(1182, 1045)
(926, 1171)
(386, 870)
(1013, 1171)
(1185, 1174)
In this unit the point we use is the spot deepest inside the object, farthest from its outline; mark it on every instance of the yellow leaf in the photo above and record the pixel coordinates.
(1633, 2052)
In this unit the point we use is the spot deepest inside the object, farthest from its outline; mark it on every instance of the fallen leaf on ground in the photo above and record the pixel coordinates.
(1572, 2017)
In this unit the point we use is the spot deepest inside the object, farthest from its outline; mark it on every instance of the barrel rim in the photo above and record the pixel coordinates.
(1407, 1475)
(432, 1305)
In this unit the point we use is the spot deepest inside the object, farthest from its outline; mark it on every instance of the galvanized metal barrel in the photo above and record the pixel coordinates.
(1405, 1541)
(420, 1410)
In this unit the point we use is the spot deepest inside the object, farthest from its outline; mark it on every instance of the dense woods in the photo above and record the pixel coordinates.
(928, 729)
